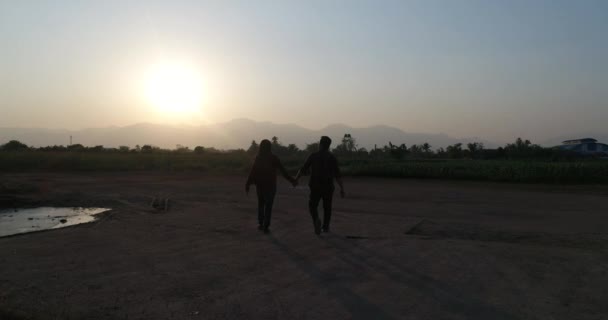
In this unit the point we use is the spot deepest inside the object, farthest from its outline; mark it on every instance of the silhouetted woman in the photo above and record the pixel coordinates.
(264, 175)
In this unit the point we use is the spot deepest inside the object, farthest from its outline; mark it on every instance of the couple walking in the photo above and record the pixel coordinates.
(324, 169)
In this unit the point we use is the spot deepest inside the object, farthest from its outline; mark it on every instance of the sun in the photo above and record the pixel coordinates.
(174, 88)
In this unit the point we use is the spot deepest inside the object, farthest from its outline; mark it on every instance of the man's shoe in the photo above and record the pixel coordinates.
(317, 227)
(266, 230)
(260, 227)
(325, 230)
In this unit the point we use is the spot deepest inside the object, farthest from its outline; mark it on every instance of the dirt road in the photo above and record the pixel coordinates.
(399, 249)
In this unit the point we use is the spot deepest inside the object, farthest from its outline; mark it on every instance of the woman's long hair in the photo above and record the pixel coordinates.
(264, 148)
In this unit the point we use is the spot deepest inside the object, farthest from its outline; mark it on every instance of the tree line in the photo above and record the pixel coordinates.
(347, 147)
(519, 149)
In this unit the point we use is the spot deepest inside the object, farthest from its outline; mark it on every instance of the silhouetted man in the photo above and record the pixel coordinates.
(324, 170)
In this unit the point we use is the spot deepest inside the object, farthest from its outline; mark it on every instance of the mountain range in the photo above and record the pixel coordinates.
(233, 134)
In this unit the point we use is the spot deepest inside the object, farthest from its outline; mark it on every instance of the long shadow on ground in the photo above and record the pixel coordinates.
(359, 307)
(450, 299)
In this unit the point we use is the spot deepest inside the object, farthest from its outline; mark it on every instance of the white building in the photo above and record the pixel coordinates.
(585, 146)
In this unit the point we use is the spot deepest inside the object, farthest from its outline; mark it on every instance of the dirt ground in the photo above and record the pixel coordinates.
(399, 249)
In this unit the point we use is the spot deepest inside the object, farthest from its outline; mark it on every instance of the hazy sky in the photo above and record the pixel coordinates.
(492, 69)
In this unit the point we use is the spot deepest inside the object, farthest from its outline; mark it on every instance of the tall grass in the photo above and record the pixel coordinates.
(525, 171)
(88, 161)
(489, 170)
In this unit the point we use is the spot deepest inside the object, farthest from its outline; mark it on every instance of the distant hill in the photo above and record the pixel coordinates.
(233, 134)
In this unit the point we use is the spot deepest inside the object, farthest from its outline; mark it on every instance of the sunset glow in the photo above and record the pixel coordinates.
(174, 89)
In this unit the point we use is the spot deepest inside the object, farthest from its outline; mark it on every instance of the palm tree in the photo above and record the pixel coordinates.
(426, 147)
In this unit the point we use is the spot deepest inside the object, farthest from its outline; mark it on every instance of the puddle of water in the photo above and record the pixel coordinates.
(35, 219)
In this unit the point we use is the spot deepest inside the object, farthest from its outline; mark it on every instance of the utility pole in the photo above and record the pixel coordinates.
(70, 140)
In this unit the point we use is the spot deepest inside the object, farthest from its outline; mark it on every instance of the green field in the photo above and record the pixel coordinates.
(238, 162)
(106, 161)
(592, 171)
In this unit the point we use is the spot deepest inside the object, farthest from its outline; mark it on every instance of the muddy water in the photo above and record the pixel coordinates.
(16, 221)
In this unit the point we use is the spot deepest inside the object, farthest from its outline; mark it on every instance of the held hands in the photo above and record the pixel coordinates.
(294, 182)
(247, 189)
(342, 194)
